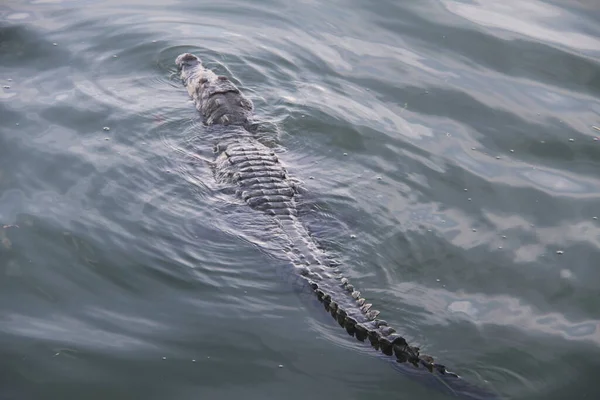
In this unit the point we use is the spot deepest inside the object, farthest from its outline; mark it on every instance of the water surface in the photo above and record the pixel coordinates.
(456, 140)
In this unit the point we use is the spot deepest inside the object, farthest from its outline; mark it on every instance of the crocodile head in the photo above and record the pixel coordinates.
(216, 97)
(187, 60)
(192, 72)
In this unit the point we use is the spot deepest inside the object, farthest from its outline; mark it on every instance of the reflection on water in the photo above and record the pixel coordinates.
(455, 142)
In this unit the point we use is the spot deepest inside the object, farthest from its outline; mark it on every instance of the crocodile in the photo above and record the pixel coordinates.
(263, 183)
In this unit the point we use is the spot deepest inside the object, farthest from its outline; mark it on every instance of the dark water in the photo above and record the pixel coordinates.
(127, 272)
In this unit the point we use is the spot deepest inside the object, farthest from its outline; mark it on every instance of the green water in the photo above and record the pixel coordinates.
(455, 140)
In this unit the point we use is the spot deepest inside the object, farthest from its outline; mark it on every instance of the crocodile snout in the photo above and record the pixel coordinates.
(187, 60)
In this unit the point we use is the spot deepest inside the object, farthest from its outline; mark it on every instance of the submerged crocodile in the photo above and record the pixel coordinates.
(263, 183)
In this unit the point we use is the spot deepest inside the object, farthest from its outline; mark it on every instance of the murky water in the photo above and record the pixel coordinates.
(456, 140)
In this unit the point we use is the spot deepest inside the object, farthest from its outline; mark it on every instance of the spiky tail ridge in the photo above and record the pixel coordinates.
(346, 304)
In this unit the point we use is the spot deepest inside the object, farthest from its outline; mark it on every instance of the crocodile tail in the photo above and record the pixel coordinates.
(358, 317)
(347, 305)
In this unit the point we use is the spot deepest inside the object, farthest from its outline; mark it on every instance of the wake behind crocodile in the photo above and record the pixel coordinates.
(262, 182)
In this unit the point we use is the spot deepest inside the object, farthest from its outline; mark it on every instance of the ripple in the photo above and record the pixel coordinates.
(71, 331)
(498, 310)
(534, 19)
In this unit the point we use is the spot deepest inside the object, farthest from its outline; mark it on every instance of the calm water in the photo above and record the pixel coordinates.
(454, 139)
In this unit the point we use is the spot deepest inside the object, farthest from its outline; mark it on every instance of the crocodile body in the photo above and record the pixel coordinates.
(263, 183)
